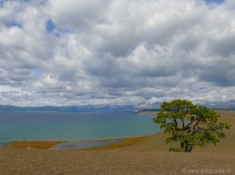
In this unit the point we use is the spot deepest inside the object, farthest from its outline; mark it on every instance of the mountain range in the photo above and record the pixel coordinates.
(112, 108)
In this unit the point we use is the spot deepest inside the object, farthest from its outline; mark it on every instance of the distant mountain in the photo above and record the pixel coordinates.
(219, 104)
(145, 107)
(113, 108)
(86, 108)
(212, 105)
(148, 106)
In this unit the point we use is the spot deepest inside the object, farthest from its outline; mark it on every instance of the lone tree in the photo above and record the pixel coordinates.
(190, 125)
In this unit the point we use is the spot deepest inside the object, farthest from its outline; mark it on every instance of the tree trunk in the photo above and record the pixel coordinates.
(186, 148)
(182, 146)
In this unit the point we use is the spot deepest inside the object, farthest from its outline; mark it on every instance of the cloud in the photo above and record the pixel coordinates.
(116, 52)
(214, 1)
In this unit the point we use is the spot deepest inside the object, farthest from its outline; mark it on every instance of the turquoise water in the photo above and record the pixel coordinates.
(72, 126)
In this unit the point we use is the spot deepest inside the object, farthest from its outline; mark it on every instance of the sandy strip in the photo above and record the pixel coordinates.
(35, 161)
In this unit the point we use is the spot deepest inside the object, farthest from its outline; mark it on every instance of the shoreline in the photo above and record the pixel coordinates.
(50, 144)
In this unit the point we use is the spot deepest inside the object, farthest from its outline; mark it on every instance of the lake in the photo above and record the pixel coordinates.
(73, 126)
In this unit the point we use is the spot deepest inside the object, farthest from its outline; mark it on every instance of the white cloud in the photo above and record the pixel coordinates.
(8, 88)
(116, 52)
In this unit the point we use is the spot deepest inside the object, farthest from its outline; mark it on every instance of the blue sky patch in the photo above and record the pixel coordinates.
(10, 24)
(43, 2)
(37, 71)
(57, 35)
(214, 1)
(50, 26)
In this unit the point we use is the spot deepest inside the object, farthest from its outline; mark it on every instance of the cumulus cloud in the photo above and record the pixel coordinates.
(55, 52)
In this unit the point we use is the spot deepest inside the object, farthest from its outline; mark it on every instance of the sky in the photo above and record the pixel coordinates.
(76, 52)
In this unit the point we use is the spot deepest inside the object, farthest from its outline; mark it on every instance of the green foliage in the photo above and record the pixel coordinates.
(190, 125)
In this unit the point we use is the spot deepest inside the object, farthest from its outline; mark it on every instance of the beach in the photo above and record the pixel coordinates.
(149, 156)
(32, 161)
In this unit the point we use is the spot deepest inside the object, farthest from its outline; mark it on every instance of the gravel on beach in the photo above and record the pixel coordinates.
(42, 162)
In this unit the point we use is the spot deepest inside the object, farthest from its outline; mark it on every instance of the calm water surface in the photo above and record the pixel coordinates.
(72, 126)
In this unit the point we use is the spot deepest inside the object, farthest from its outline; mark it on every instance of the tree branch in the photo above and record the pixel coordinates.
(175, 121)
(183, 123)
(196, 124)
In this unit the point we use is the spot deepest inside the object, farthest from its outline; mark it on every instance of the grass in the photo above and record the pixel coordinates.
(49, 144)
(34, 144)
(125, 142)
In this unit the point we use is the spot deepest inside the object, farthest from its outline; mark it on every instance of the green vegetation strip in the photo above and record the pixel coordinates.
(34, 144)
(125, 142)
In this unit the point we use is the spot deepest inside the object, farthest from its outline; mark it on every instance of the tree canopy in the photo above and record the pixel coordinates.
(190, 125)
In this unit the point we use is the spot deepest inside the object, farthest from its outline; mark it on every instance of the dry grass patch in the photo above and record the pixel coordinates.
(34, 144)
(125, 142)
